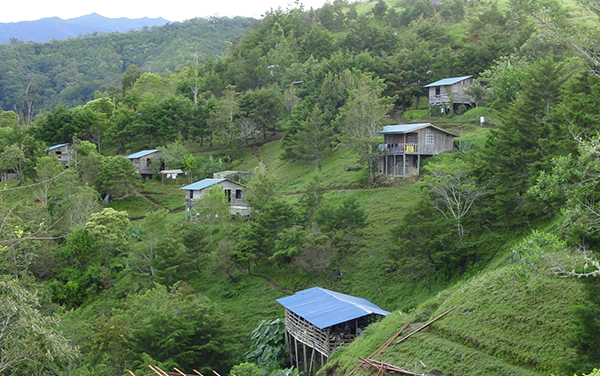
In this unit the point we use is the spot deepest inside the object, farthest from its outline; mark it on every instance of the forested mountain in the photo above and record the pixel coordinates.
(46, 29)
(114, 276)
(39, 76)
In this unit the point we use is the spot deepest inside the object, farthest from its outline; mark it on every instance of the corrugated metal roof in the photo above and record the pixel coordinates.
(200, 185)
(324, 308)
(403, 128)
(140, 154)
(448, 81)
(55, 147)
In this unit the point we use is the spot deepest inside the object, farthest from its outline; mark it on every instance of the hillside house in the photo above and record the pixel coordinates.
(405, 146)
(234, 192)
(146, 162)
(317, 321)
(450, 93)
(62, 152)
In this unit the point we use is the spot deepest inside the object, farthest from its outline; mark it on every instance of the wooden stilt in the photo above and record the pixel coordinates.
(297, 360)
(304, 351)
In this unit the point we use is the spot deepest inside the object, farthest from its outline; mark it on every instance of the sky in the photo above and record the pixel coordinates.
(172, 10)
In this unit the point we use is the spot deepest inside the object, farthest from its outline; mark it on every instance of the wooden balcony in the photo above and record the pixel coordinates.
(399, 149)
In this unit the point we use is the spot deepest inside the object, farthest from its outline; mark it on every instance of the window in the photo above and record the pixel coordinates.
(429, 139)
(438, 90)
(411, 138)
(238, 193)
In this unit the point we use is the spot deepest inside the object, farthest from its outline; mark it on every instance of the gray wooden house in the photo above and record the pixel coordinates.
(405, 146)
(62, 152)
(450, 93)
(234, 192)
(317, 321)
(146, 162)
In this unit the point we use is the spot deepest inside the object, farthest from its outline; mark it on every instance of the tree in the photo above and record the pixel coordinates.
(13, 158)
(108, 225)
(28, 339)
(119, 178)
(454, 192)
(173, 154)
(130, 77)
(582, 37)
(153, 232)
(362, 117)
(213, 206)
(314, 140)
(175, 326)
(265, 106)
(380, 8)
(47, 169)
(222, 117)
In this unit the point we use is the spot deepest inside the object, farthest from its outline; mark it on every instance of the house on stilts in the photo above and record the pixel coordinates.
(406, 146)
(449, 94)
(318, 320)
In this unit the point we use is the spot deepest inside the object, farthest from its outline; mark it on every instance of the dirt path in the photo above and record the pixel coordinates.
(272, 284)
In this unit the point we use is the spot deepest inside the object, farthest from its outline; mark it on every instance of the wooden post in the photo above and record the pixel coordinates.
(296, 346)
(288, 345)
(304, 351)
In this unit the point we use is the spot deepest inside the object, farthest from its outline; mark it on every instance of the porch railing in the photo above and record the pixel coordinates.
(400, 148)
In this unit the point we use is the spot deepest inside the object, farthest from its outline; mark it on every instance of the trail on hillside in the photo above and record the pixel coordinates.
(272, 284)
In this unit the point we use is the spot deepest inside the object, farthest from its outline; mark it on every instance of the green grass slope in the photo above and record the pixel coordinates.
(504, 327)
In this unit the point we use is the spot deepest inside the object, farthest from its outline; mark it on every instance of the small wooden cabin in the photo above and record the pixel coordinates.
(450, 93)
(317, 321)
(234, 192)
(405, 146)
(146, 162)
(62, 152)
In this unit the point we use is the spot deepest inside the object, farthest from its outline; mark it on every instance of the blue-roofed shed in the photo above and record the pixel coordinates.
(321, 320)
(146, 162)
(234, 192)
(62, 152)
(449, 93)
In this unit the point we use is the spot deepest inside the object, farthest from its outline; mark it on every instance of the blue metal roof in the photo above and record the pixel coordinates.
(403, 128)
(448, 81)
(55, 147)
(200, 185)
(140, 154)
(324, 308)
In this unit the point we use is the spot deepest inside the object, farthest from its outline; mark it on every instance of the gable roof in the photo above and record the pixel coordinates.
(406, 128)
(202, 184)
(142, 153)
(55, 147)
(448, 81)
(324, 308)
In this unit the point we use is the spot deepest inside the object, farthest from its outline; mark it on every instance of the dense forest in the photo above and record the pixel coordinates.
(101, 273)
(40, 76)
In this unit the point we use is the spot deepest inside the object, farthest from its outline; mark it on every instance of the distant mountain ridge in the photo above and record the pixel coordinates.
(46, 29)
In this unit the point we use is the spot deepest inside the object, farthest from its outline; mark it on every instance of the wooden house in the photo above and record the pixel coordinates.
(62, 152)
(234, 192)
(405, 146)
(317, 321)
(450, 93)
(146, 162)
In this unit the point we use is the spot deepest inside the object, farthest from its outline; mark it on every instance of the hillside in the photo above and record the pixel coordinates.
(44, 30)
(68, 72)
(117, 271)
